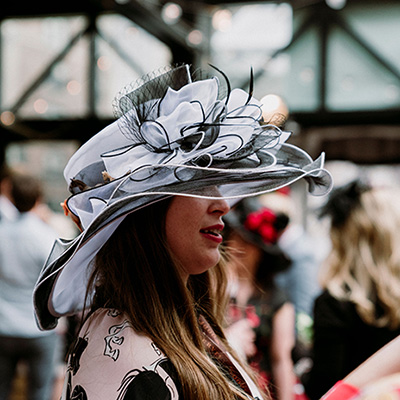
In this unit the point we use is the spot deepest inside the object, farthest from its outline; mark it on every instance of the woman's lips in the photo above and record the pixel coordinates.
(213, 233)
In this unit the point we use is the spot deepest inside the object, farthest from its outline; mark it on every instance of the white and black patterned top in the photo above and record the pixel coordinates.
(113, 361)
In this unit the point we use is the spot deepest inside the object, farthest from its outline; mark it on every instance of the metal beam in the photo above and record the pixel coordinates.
(323, 18)
(123, 55)
(309, 21)
(47, 71)
(365, 45)
(92, 59)
(150, 19)
(336, 118)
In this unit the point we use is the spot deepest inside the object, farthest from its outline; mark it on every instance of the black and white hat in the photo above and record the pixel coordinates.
(175, 135)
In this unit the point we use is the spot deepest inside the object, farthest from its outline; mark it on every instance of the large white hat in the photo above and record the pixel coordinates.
(174, 136)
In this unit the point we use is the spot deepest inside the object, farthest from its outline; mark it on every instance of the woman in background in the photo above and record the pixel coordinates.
(358, 311)
(24, 246)
(255, 260)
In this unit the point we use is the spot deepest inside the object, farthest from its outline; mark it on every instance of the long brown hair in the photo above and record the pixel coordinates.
(135, 273)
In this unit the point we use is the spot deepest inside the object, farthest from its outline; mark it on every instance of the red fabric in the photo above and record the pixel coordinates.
(341, 391)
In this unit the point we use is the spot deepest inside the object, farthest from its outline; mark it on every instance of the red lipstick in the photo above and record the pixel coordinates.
(213, 232)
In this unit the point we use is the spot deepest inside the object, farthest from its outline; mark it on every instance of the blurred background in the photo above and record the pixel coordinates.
(331, 67)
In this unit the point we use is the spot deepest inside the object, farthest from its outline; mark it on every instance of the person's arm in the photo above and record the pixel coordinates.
(241, 337)
(384, 362)
(282, 343)
(378, 368)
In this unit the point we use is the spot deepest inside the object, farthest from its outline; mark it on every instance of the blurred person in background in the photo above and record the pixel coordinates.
(24, 246)
(7, 209)
(358, 311)
(300, 281)
(253, 232)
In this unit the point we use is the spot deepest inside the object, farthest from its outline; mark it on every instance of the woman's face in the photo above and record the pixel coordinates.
(193, 230)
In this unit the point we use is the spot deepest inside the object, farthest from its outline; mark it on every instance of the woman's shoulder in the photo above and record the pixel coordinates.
(326, 298)
(104, 319)
(111, 359)
(111, 333)
(333, 311)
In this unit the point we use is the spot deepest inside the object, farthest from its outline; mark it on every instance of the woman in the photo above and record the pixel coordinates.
(149, 192)
(358, 312)
(254, 232)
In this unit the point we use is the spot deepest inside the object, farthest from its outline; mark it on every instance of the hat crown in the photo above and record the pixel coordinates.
(189, 125)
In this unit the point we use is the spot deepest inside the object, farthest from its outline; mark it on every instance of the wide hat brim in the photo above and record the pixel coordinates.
(62, 284)
(182, 143)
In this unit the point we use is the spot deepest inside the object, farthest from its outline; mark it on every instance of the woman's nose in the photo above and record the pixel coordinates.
(220, 206)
